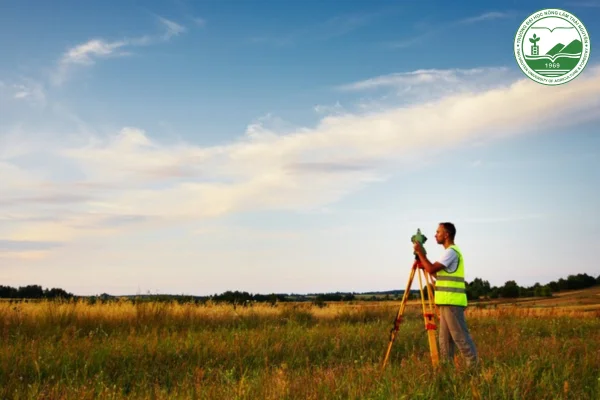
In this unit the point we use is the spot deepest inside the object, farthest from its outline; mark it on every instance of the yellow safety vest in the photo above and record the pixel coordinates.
(450, 289)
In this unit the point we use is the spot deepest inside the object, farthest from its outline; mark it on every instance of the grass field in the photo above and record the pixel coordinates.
(532, 349)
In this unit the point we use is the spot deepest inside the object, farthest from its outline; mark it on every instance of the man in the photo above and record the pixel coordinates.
(450, 295)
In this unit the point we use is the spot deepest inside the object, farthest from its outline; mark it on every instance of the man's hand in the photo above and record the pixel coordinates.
(418, 248)
(423, 262)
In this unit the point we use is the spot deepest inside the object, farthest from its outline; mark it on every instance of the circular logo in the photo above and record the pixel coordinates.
(552, 46)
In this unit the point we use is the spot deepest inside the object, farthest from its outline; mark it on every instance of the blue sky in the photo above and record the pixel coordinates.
(197, 147)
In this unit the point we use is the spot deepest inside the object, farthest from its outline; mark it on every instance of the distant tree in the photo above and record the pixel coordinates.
(272, 299)
(478, 288)
(580, 281)
(349, 297)
(56, 293)
(526, 292)
(542, 291)
(31, 292)
(470, 293)
(7, 292)
(236, 297)
(546, 291)
(330, 297)
(563, 284)
(495, 292)
(510, 290)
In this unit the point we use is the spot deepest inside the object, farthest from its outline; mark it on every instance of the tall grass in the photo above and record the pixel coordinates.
(292, 351)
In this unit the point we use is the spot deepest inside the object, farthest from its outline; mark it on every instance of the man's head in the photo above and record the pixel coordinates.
(445, 233)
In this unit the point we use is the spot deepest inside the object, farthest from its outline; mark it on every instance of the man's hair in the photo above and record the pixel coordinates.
(450, 228)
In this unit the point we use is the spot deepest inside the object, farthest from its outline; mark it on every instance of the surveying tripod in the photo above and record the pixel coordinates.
(428, 312)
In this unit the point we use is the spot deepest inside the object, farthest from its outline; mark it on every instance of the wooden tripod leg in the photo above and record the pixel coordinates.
(429, 320)
(398, 319)
(431, 293)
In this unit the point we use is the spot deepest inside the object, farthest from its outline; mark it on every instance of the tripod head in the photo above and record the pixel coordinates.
(419, 237)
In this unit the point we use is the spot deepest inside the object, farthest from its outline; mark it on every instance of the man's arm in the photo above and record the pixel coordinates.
(427, 265)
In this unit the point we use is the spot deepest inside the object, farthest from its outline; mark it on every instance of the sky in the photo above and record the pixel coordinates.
(194, 147)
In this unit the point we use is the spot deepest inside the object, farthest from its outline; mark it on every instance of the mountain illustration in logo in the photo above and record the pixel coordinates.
(557, 61)
(573, 48)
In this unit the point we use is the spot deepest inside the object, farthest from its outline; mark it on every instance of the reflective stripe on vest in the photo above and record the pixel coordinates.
(450, 278)
(450, 289)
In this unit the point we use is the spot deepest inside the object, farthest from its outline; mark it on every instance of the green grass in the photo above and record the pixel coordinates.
(79, 351)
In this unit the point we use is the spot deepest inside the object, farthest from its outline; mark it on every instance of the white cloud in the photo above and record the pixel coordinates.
(444, 26)
(337, 108)
(25, 255)
(31, 91)
(87, 53)
(269, 126)
(424, 77)
(427, 84)
(172, 28)
(485, 17)
(130, 177)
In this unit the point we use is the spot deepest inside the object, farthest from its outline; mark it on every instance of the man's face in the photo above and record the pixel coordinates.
(441, 234)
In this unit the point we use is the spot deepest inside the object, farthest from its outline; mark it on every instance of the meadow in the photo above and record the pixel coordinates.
(151, 350)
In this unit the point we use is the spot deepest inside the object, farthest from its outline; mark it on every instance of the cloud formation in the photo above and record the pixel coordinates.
(25, 249)
(427, 77)
(428, 84)
(443, 26)
(485, 17)
(130, 180)
(88, 53)
(23, 89)
(16, 245)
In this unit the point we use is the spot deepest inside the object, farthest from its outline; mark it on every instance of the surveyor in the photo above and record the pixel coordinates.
(450, 295)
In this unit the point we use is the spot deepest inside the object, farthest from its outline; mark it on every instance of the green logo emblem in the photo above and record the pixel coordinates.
(552, 46)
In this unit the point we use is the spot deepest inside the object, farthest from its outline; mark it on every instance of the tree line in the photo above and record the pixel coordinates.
(479, 288)
(33, 292)
(476, 289)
